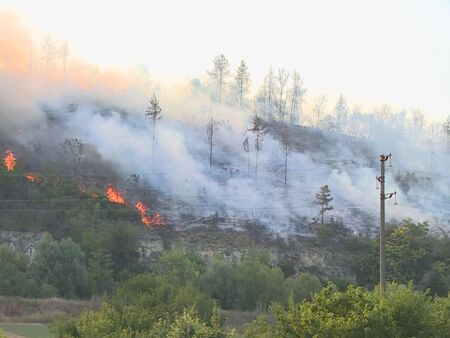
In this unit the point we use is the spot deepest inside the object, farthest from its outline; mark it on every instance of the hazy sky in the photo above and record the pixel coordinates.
(380, 51)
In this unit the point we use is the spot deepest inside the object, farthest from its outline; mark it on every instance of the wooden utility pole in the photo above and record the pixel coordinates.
(383, 197)
(383, 159)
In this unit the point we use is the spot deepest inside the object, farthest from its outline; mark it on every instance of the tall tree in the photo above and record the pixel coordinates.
(153, 114)
(211, 126)
(60, 266)
(296, 93)
(323, 199)
(242, 82)
(446, 131)
(286, 142)
(282, 78)
(319, 108)
(49, 51)
(258, 129)
(267, 94)
(341, 111)
(220, 73)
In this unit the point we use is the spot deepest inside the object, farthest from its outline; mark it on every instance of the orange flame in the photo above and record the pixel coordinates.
(32, 178)
(9, 160)
(148, 220)
(141, 208)
(114, 195)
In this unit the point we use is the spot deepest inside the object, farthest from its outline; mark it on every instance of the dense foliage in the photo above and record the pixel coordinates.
(356, 312)
(412, 254)
(159, 305)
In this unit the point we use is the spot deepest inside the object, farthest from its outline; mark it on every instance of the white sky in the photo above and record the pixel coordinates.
(380, 51)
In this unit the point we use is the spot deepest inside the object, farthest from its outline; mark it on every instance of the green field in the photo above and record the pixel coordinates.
(27, 330)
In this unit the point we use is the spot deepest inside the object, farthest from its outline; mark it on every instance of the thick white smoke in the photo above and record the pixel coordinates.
(179, 170)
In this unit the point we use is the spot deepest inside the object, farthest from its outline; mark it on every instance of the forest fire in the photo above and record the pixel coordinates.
(9, 160)
(141, 208)
(114, 195)
(148, 220)
(32, 178)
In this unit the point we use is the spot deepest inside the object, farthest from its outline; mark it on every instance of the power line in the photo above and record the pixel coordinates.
(198, 206)
(196, 195)
(237, 171)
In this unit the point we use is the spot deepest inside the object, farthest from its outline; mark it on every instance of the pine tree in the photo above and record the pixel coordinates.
(242, 82)
(446, 131)
(286, 142)
(319, 108)
(267, 94)
(211, 126)
(153, 113)
(323, 199)
(297, 93)
(282, 78)
(258, 129)
(341, 110)
(220, 73)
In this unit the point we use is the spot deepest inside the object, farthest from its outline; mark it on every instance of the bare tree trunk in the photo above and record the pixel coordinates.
(292, 110)
(248, 162)
(153, 140)
(257, 153)
(210, 149)
(220, 87)
(241, 93)
(322, 211)
(285, 164)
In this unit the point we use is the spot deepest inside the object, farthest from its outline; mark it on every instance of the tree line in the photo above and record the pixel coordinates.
(182, 297)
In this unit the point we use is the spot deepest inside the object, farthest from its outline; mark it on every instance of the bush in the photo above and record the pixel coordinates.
(402, 312)
(302, 287)
(180, 267)
(148, 305)
(14, 276)
(258, 283)
(60, 267)
(219, 281)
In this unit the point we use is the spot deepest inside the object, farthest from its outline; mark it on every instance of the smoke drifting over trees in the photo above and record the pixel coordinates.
(327, 142)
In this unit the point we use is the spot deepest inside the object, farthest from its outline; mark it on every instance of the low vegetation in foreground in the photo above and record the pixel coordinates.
(182, 297)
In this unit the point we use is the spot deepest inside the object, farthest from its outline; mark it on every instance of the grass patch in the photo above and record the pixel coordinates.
(27, 330)
(27, 310)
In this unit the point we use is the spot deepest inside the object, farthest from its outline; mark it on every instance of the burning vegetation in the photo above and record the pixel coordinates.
(112, 193)
(32, 178)
(115, 196)
(9, 160)
(146, 219)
